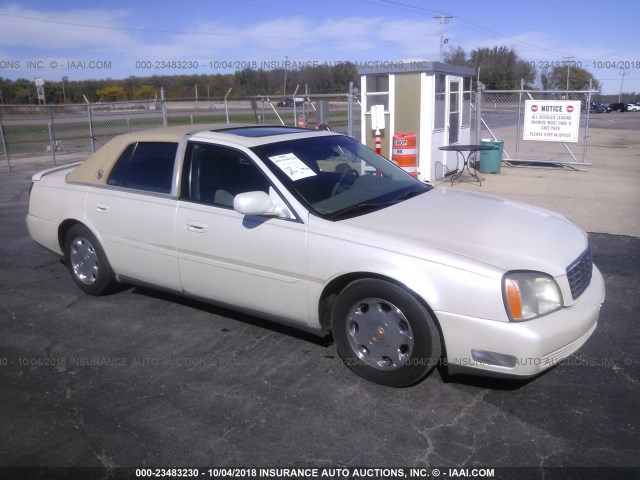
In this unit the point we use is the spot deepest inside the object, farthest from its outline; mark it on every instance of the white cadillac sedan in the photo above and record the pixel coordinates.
(313, 229)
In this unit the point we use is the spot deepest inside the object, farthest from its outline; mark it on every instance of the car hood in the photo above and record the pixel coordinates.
(504, 233)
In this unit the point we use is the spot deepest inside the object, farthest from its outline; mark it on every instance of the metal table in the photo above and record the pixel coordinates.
(472, 151)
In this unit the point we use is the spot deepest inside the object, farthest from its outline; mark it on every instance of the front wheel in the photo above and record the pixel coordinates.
(87, 262)
(384, 334)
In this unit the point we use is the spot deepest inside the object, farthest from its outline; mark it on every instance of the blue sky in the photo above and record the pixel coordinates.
(84, 40)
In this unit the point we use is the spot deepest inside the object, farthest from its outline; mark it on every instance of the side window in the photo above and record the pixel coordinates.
(214, 175)
(119, 171)
(145, 166)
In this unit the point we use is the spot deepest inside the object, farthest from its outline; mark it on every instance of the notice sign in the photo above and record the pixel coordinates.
(551, 120)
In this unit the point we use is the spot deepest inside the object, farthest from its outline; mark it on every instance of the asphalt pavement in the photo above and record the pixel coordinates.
(144, 379)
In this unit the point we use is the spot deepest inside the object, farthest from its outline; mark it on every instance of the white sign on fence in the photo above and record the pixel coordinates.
(551, 120)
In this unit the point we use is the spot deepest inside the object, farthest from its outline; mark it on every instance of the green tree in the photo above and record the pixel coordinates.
(111, 93)
(22, 91)
(501, 68)
(145, 92)
(497, 67)
(456, 56)
(578, 79)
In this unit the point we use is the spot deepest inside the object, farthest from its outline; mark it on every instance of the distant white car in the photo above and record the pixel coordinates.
(315, 230)
(632, 107)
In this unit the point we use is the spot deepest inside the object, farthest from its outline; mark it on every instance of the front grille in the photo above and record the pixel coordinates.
(579, 273)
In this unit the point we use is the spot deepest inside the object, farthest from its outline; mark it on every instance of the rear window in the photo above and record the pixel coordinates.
(145, 166)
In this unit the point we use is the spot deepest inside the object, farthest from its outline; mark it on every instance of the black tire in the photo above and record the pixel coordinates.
(87, 262)
(384, 334)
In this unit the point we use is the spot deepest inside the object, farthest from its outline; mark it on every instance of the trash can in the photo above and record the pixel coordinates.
(490, 160)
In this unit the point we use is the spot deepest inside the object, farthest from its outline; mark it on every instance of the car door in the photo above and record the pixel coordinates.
(256, 263)
(134, 214)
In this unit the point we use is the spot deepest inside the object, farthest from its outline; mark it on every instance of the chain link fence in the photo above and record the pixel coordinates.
(335, 112)
(59, 134)
(501, 116)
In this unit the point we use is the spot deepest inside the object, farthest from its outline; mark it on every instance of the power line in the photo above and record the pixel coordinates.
(415, 7)
(471, 26)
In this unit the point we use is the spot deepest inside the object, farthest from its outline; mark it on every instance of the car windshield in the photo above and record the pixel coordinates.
(337, 177)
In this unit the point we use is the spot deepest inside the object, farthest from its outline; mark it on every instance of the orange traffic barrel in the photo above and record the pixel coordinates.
(404, 152)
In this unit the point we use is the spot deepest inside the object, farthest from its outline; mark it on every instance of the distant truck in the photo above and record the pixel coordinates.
(617, 107)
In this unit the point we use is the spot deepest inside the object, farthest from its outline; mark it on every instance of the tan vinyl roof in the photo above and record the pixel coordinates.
(96, 168)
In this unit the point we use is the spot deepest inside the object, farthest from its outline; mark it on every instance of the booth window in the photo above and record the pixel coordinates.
(466, 101)
(440, 101)
(377, 91)
(454, 112)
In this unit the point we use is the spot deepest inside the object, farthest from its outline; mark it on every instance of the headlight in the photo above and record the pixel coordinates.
(529, 295)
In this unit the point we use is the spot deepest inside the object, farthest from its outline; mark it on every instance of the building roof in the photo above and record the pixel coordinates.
(415, 66)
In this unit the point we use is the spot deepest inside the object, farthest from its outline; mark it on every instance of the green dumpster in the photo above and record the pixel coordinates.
(490, 159)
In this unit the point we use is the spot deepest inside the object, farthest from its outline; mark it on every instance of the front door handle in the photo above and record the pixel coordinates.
(102, 208)
(197, 227)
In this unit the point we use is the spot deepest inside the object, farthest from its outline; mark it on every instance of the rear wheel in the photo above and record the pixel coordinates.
(87, 262)
(384, 334)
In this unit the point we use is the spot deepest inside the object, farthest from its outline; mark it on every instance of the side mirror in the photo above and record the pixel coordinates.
(259, 203)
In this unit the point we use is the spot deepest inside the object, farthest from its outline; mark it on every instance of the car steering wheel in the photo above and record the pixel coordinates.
(346, 181)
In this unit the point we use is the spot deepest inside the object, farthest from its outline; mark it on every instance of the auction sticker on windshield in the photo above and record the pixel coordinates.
(292, 166)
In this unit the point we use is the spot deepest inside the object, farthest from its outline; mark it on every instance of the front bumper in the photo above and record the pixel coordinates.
(522, 349)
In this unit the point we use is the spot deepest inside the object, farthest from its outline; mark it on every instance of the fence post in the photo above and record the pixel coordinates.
(52, 136)
(350, 111)
(91, 140)
(4, 146)
(52, 143)
(163, 102)
(586, 127)
(518, 120)
(479, 88)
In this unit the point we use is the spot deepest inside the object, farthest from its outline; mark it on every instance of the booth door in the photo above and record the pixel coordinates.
(453, 113)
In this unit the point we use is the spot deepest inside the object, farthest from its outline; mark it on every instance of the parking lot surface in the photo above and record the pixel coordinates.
(140, 378)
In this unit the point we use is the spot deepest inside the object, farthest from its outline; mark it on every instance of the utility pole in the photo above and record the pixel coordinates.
(443, 19)
(64, 96)
(623, 72)
(286, 63)
(568, 61)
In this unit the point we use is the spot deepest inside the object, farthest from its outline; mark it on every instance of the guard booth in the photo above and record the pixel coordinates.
(430, 99)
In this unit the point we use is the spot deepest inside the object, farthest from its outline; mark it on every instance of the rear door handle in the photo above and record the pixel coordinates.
(197, 227)
(102, 208)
